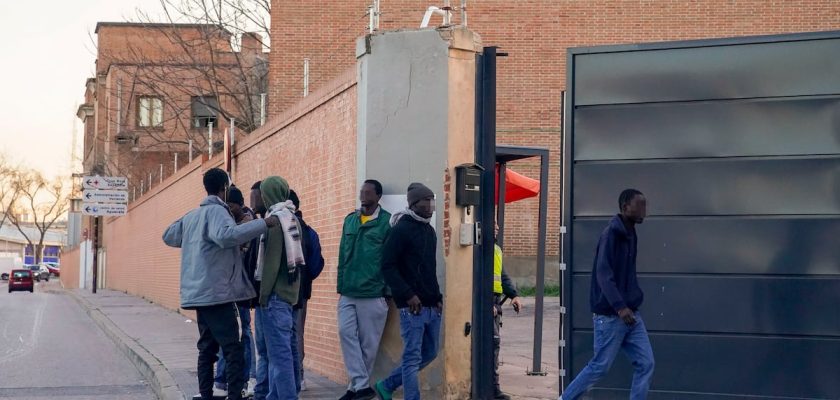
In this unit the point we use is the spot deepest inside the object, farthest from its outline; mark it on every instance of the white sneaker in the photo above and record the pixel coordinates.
(219, 392)
(303, 385)
(249, 389)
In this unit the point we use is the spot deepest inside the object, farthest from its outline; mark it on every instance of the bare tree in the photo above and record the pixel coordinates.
(199, 55)
(39, 204)
(8, 190)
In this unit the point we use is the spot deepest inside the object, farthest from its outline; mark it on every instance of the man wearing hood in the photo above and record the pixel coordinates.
(279, 274)
(213, 279)
(409, 263)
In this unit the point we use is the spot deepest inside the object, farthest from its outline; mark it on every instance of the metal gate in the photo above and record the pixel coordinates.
(736, 144)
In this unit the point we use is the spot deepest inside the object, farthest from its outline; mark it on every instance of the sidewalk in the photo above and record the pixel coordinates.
(517, 348)
(161, 344)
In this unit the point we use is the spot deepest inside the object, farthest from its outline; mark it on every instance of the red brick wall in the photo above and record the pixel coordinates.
(536, 34)
(70, 268)
(313, 146)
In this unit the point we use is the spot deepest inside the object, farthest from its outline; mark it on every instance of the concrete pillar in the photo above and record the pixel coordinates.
(416, 122)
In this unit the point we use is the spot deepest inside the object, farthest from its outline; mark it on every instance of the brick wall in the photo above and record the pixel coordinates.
(536, 34)
(312, 145)
(70, 268)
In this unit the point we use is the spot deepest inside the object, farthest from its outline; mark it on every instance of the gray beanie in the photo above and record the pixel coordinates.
(418, 191)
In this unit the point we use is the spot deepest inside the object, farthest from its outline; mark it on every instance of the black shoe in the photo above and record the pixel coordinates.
(348, 396)
(365, 394)
(501, 396)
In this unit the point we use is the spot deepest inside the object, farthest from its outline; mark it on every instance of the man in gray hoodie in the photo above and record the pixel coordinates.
(213, 279)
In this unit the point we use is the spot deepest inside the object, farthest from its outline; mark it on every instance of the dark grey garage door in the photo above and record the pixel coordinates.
(736, 144)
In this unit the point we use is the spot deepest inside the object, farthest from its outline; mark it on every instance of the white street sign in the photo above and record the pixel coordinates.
(105, 182)
(105, 196)
(104, 210)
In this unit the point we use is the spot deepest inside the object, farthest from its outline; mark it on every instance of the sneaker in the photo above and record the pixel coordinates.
(365, 394)
(303, 385)
(249, 390)
(383, 393)
(219, 392)
(348, 396)
(501, 396)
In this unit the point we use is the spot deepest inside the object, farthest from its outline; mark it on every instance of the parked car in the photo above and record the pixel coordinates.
(21, 280)
(53, 268)
(39, 272)
(4, 276)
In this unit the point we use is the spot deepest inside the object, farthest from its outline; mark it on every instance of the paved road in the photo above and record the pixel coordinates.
(51, 349)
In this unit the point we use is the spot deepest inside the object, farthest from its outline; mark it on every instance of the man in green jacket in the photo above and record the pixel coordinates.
(362, 309)
(278, 294)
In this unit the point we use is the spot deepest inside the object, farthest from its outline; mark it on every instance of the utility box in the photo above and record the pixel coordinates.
(468, 185)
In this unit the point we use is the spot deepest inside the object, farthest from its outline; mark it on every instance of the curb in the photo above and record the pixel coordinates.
(161, 381)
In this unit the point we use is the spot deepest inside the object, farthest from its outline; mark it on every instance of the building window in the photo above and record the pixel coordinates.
(204, 111)
(150, 112)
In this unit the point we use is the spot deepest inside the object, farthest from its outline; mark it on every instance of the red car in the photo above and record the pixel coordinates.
(53, 268)
(21, 280)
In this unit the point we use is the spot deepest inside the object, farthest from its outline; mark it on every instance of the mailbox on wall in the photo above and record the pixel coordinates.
(468, 185)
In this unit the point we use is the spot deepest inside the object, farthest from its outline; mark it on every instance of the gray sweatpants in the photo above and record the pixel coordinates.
(360, 326)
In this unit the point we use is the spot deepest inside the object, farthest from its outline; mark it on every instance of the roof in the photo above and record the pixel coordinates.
(153, 25)
(10, 233)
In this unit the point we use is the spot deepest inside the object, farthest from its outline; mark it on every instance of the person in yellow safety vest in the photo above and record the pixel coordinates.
(503, 287)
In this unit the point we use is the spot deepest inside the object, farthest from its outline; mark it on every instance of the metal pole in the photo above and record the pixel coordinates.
(95, 252)
(150, 181)
(191, 151)
(209, 140)
(305, 77)
(232, 131)
(447, 13)
(464, 12)
(500, 211)
(176, 163)
(541, 236)
(262, 109)
(482, 315)
(561, 347)
(161, 173)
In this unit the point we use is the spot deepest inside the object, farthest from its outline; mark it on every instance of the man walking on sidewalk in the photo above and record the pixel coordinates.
(279, 272)
(314, 266)
(362, 309)
(615, 298)
(409, 263)
(209, 239)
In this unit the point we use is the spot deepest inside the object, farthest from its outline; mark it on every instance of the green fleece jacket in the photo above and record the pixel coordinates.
(275, 275)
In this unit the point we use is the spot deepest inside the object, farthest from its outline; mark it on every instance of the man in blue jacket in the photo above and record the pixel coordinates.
(213, 279)
(615, 297)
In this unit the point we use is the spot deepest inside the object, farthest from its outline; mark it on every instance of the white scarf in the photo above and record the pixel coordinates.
(292, 233)
(396, 217)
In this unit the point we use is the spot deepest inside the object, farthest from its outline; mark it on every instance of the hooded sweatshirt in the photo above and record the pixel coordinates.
(275, 273)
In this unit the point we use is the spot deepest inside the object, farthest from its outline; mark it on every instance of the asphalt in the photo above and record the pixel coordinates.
(50, 349)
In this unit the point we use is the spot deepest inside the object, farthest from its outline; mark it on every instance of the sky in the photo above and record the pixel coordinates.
(47, 54)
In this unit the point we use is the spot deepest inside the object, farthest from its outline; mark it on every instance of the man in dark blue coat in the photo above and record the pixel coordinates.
(615, 298)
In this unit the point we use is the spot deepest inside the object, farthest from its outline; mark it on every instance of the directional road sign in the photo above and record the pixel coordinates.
(105, 196)
(105, 182)
(104, 210)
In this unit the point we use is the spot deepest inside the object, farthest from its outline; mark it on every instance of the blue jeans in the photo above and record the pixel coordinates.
(245, 319)
(279, 335)
(421, 341)
(261, 389)
(612, 335)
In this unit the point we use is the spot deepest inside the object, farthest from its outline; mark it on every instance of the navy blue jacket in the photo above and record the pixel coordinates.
(614, 283)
